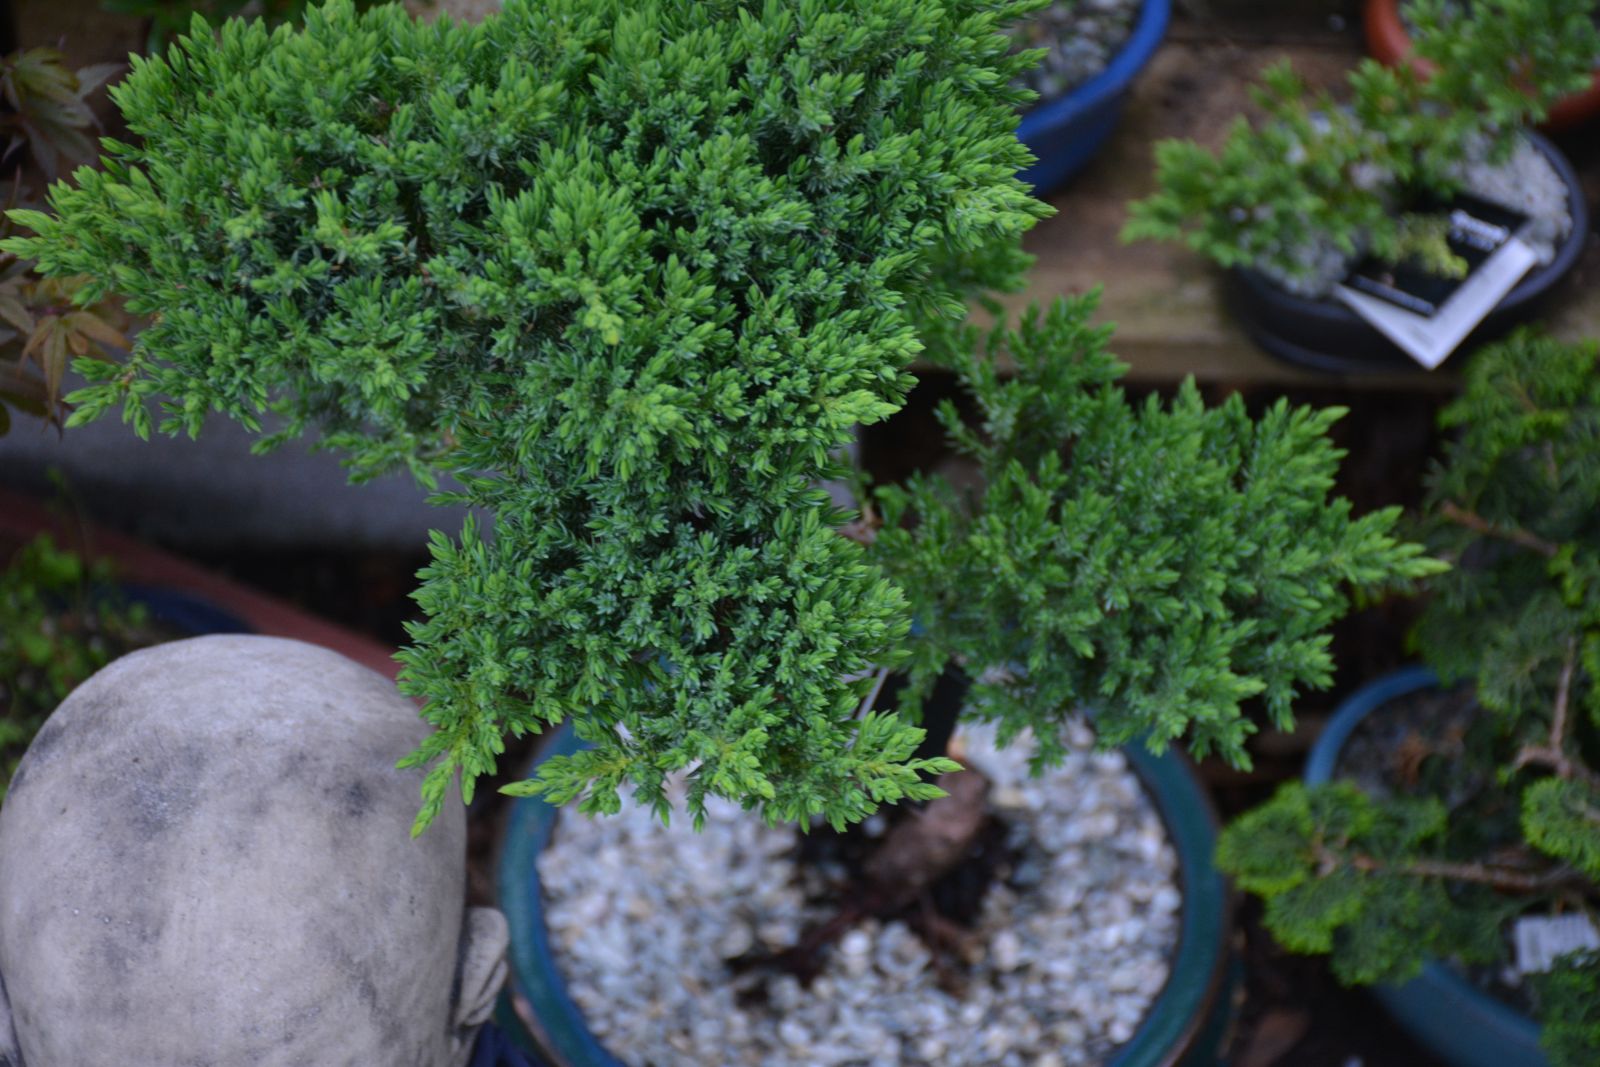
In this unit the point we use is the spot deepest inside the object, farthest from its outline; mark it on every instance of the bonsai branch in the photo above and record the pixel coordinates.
(1553, 754)
(1503, 878)
(917, 852)
(864, 530)
(1515, 534)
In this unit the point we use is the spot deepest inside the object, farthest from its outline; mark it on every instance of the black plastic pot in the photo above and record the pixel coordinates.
(1326, 335)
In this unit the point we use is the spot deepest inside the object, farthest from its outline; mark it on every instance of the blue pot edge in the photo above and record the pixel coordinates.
(528, 828)
(193, 614)
(1137, 51)
(1194, 991)
(1436, 981)
(1181, 1010)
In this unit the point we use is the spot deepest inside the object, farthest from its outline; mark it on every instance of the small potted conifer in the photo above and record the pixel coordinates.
(1448, 836)
(1322, 185)
(632, 272)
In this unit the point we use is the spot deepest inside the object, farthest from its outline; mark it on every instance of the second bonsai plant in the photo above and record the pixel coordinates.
(631, 273)
(1291, 205)
(1476, 823)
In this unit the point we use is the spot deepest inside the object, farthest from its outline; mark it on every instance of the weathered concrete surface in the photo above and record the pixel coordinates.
(205, 861)
(213, 493)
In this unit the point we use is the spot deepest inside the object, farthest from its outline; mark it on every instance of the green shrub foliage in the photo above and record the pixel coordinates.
(1570, 997)
(1162, 562)
(631, 272)
(1517, 505)
(1346, 173)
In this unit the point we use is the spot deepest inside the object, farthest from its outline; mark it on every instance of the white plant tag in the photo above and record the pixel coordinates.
(1541, 939)
(1429, 339)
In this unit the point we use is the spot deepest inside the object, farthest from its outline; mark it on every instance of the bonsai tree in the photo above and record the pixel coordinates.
(1502, 821)
(631, 273)
(1318, 182)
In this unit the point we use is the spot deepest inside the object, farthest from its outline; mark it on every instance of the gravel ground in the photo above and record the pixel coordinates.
(1070, 948)
(1082, 36)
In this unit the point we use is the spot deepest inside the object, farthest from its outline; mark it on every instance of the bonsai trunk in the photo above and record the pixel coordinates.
(940, 712)
(916, 865)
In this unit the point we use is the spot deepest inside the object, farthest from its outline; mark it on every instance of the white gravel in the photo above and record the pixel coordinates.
(1068, 954)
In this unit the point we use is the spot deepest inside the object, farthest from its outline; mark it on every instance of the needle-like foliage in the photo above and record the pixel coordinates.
(632, 271)
(1511, 821)
(1162, 562)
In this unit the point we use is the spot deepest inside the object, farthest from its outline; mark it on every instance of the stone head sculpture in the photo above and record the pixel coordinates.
(205, 859)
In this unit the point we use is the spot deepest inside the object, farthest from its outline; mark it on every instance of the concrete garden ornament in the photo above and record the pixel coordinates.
(205, 859)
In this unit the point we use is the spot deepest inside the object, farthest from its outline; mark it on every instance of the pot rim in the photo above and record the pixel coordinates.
(1116, 76)
(1176, 1017)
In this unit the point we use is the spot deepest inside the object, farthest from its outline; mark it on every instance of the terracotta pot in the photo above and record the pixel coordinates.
(1390, 44)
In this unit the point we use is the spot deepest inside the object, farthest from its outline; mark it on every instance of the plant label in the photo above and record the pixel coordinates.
(1429, 315)
(1542, 939)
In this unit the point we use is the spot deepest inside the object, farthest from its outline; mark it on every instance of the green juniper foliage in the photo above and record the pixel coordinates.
(1569, 998)
(1161, 562)
(1320, 172)
(1384, 884)
(631, 271)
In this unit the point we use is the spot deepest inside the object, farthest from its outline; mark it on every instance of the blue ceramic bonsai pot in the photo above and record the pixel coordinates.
(1066, 132)
(1183, 1027)
(1444, 1012)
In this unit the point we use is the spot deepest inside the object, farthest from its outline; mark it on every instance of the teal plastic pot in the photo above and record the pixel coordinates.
(1451, 1017)
(1184, 1027)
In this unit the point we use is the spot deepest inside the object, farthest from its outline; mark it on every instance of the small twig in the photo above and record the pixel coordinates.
(1558, 716)
(1476, 873)
(1553, 753)
(1515, 534)
(863, 531)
